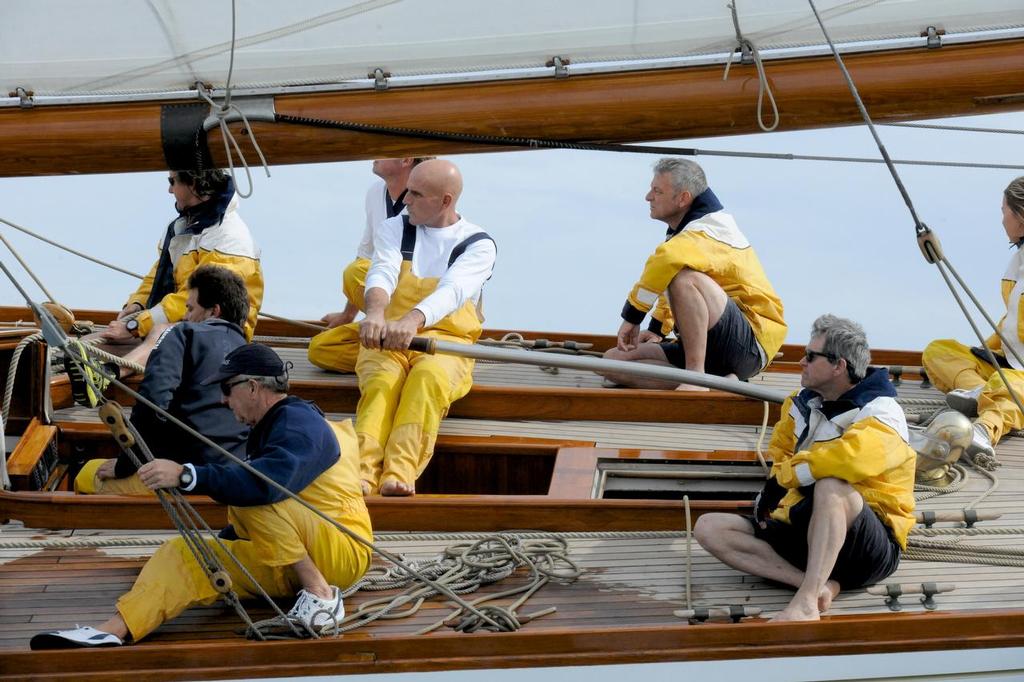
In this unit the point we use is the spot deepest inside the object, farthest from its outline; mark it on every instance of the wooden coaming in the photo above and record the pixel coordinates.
(918, 83)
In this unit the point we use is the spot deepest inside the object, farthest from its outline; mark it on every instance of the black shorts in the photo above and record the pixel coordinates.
(869, 553)
(732, 347)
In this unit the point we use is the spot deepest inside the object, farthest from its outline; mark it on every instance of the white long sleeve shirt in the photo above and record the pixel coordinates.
(376, 213)
(462, 282)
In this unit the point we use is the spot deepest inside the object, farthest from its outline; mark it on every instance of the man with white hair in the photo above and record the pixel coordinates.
(708, 285)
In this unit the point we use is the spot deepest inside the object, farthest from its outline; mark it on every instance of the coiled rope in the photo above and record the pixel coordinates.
(463, 568)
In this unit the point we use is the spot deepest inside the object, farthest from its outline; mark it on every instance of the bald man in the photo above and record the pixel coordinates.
(428, 270)
(338, 348)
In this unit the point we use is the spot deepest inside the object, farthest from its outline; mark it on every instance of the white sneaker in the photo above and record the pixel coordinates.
(981, 444)
(314, 612)
(87, 637)
(964, 401)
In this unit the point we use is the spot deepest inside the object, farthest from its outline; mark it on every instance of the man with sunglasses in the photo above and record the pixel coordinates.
(207, 231)
(283, 546)
(179, 359)
(838, 505)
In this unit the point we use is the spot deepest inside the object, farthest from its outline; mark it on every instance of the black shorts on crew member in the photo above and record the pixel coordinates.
(869, 553)
(732, 347)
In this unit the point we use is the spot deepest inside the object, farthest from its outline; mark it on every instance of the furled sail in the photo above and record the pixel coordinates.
(112, 47)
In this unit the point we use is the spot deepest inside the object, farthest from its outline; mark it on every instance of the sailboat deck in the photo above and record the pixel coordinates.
(628, 579)
(489, 373)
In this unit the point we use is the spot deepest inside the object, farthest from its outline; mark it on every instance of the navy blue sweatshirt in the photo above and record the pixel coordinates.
(292, 445)
(184, 355)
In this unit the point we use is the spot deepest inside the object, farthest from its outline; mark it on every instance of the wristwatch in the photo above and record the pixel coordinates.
(132, 326)
(186, 477)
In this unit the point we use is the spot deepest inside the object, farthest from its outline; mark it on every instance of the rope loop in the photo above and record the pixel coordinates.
(746, 47)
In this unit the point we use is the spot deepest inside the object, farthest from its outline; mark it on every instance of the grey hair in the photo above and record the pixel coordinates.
(278, 384)
(1014, 194)
(844, 339)
(686, 175)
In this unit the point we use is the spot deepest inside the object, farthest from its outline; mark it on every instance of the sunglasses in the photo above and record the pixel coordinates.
(226, 386)
(810, 355)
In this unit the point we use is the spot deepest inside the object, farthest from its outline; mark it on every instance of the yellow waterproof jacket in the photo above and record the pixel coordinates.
(1012, 323)
(228, 244)
(709, 241)
(863, 442)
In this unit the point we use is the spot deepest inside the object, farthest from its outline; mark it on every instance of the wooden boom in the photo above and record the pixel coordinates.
(980, 78)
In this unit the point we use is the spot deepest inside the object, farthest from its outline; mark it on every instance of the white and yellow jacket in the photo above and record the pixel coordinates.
(708, 240)
(861, 438)
(226, 243)
(1012, 324)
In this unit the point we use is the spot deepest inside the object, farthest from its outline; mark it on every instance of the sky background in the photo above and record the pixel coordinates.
(573, 230)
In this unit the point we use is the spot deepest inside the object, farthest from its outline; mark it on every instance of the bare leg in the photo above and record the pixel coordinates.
(836, 505)
(697, 304)
(312, 579)
(731, 539)
(648, 353)
(115, 625)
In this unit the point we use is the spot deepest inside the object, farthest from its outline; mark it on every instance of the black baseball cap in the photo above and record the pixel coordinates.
(253, 359)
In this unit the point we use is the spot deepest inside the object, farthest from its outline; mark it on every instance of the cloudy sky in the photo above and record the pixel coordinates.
(573, 232)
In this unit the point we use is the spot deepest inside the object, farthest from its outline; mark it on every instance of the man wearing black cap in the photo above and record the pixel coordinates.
(283, 545)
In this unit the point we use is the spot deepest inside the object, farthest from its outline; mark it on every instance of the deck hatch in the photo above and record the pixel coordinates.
(672, 479)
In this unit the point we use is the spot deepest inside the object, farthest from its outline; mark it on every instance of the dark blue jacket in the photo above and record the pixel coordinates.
(292, 445)
(184, 355)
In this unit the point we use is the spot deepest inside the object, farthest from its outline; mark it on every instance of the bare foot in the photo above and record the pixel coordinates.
(797, 611)
(691, 387)
(366, 487)
(828, 593)
(396, 489)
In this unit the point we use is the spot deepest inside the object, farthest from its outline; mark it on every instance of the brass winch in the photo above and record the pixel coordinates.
(939, 446)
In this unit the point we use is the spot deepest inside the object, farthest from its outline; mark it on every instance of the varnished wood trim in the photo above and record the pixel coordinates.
(632, 106)
(32, 446)
(419, 513)
(352, 654)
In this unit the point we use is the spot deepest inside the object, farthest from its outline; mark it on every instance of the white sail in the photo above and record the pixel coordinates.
(109, 47)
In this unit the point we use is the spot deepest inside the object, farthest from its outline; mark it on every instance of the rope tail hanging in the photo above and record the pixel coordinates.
(221, 114)
(927, 240)
(749, 53)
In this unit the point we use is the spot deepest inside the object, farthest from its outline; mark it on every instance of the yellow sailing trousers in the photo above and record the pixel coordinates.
(86, 482)
(404, 397)
(274, 537)
(337, 349)
(950, 364)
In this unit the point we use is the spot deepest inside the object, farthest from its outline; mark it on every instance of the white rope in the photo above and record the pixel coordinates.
(68, 249)
(12, 373)
(122, 541)
(689, 553)
(763, 87)
(760, 439)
